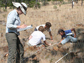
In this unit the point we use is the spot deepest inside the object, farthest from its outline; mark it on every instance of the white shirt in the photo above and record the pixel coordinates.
(43, 26)
(36, 38)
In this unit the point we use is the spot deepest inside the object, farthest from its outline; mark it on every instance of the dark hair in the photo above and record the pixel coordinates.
(48, 24)
(41, 28)
(60, 30)
(18, 8)
(23, 7)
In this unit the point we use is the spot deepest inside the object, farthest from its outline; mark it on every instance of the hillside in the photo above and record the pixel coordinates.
(62, 16)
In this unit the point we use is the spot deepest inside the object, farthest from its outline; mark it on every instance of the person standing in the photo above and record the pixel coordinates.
(16, 50)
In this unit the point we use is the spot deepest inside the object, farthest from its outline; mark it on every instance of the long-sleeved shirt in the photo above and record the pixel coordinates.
(13, 21)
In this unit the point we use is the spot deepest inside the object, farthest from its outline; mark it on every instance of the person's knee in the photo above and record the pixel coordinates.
(63, 42)
(75, 40)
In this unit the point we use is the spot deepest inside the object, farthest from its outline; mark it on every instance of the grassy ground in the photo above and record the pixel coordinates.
(61, 16)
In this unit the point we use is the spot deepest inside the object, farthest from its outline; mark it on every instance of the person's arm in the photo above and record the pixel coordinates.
(44, 40)
(46, 43)
(10, 22)
(30, 37)
(22, 26)
(50, 35)
(60, 41)
(73, 29)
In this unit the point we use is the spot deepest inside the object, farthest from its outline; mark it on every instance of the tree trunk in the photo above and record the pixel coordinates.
(6, 4)
(81, 2)
(36, 4)
(72, 4)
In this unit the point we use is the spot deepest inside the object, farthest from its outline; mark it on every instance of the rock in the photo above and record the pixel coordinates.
(55, 48)
(44, 61)
(1, 34)
(80, 54)
(2, 22)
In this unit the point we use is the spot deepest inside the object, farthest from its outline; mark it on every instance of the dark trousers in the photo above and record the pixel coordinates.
(16, 50)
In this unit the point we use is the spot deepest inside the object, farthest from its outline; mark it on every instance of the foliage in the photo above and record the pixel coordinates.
(11, 7)
(45, 3)
(31, 3)
(38, 4)
(58, 0)
(48, 0)
(5, 10)
(55, 7)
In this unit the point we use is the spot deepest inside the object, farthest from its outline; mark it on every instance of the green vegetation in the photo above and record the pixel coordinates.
(45, 3)
(55, 7)
(30, 3)
(58, 0)
(38, 5)
(4, 9)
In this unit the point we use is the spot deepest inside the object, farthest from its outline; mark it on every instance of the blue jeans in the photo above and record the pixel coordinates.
(69, 38)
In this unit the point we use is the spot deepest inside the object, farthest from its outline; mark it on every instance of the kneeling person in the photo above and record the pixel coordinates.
(36, 36)
(67, 35)
(46, 26)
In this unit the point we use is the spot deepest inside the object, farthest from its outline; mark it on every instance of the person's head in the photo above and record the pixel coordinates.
(21, 7)
(61, 32)
(19, 11)
(48, 25)
(41, 28)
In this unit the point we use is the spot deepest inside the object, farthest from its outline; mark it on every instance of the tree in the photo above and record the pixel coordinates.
(81, 2)
(6, 4)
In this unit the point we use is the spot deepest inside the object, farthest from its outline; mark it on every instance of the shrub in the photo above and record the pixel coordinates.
(58, 0)
(45, 3)
(55, 7)
(31, 4)
(48, 0)
(39, 5)
(4, 9)
(11, 7)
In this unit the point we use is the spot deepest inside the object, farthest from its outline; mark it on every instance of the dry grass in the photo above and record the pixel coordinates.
(63, 17)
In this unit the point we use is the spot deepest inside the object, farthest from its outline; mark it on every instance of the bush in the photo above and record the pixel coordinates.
(58, 0)
(5, 10)
(48, 0)
(31, 4)
(64, 2)
(38, 5)
(55, 7)
(45, 3)
(11, 7)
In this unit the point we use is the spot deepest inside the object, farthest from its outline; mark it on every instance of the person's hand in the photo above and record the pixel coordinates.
(74, 35)
(22, 26)
(52, 40)
(49, 44)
